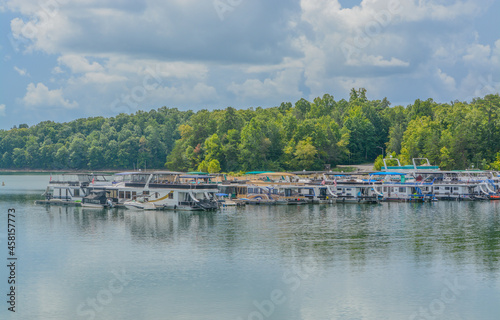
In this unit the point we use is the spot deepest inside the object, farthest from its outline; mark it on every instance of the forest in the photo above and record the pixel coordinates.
(289, 137)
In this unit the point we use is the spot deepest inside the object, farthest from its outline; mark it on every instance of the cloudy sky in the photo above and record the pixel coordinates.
(63, 59)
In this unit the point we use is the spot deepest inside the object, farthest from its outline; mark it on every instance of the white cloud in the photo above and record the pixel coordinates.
(2, 110)
(101, 77)
(284, 83)
(447, 80)
(22, 72)
(57, 70)
(79, 64)
(40, 96)
(286, 64)
(495, 56)
(477, 54)
(377, 61)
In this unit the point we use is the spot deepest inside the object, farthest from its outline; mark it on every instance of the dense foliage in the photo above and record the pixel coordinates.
(307, 135)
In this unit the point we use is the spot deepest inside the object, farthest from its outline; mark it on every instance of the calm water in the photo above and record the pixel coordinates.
(387, 261)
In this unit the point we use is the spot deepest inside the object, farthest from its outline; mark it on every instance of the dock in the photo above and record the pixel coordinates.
(57, 202)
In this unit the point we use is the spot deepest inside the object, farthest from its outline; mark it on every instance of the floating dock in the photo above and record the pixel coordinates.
(57, 202)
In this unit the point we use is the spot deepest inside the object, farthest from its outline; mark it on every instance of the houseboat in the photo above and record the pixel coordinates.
(351, 188)
(72, 188)
(163, 190)
(398, 187)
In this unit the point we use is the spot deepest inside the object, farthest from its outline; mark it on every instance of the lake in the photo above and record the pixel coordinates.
(342, 261)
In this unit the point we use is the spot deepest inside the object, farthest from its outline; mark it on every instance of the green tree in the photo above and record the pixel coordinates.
(305, 154)
(203, 166)
(214, 166)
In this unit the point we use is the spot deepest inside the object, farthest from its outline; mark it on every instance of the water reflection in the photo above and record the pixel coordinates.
(460, 233)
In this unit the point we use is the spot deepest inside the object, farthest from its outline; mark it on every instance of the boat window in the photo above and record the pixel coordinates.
(446, 188)
(402, 189)
(437, 188)
(171, 195)
(145, 192)
(348, 189)
(455, 188)
(134, 194)
(121, 195)
(76, 192)
(127, 194)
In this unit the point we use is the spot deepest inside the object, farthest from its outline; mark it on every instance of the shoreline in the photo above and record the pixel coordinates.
(43, 171)
(363, 167)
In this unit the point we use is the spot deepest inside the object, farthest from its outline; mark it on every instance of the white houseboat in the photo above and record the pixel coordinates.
(163, 190)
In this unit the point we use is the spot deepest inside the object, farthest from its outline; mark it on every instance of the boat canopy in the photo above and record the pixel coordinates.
(194, 176)
(387, 174)
(278, 174)
(258, 172)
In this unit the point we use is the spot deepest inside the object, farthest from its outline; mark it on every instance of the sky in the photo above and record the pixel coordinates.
(62, 60)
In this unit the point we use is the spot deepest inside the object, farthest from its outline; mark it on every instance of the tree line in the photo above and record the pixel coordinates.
(301, 136)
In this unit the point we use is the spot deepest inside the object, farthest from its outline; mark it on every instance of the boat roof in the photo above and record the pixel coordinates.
(258, 172)
(194, 176)
(277, 174)
(167, 172)
(125, 173)
(410, 166)
(387, 174)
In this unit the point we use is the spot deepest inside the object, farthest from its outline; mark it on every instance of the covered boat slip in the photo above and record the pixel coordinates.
(72, 187)
(272, 195)
(271, 188)
(80, 178)
(396, 186)
(462, 184)
(98, 200)
(353, 191)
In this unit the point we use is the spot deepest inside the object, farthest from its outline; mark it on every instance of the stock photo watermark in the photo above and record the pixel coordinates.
(293, 280)
(130, 101)
(222, 7)
(47, 11)
(487, 86)
(92, 306)
(449, 295)
(383, 18)
(11, 259)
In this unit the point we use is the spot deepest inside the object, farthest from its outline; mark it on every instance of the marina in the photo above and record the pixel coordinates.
(198, 191)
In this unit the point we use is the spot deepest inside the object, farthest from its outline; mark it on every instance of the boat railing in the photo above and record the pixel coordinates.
(410, 184)
(66, 183)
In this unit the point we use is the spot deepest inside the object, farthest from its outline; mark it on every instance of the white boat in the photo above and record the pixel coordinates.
(321, 193)
(72, 188)
(350, 188)
(394, 187)
(140, 203)
(164, 190)
(97, 199)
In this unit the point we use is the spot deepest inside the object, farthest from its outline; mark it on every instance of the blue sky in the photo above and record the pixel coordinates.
(63, 60)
